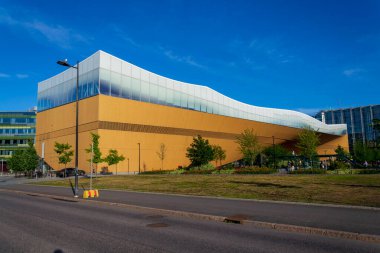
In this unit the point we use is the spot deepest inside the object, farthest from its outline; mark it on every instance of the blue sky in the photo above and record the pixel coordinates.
(302, 55)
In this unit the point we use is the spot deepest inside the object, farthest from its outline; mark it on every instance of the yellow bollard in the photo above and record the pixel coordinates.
(85, 194)
(92, 193)
(97, 193)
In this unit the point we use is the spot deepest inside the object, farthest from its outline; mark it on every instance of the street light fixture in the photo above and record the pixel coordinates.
(66, 64)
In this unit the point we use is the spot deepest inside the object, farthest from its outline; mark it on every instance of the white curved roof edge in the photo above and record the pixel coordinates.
(262, 114)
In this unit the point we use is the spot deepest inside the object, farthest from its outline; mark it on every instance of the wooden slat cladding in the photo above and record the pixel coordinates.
(119, 126)
(68, 131)
(162, 130)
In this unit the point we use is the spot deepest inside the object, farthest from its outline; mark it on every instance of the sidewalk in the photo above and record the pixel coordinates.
(349, 219)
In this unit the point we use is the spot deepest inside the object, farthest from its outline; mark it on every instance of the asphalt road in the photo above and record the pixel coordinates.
(38, 224)
(364, 221)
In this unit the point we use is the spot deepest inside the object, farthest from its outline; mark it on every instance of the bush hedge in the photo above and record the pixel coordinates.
(254, 170)
(369, 171)
(308, 171)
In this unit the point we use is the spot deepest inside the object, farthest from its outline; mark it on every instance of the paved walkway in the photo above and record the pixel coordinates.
(348, 219)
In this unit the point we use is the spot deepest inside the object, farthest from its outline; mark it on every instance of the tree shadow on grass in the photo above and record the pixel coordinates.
(260, 184)
(359, 185)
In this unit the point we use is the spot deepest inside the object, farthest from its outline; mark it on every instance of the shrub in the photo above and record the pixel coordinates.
(207, 166)
(200, 172)
(339, 165)
(224, 171)
(308, 171)
(177, 171)
(155, 172)
(369, 171)
(253, 170)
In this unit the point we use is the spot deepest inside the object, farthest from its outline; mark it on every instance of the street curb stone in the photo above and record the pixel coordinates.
(257, 224)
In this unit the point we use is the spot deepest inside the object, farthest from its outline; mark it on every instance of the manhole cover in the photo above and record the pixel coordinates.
(157, 225)
(66, 200)
(33, 195)
(237, 218)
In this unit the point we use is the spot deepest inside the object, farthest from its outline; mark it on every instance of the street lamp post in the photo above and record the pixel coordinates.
(128, 165)
(66, 64)
(274, 154)
(139, 156)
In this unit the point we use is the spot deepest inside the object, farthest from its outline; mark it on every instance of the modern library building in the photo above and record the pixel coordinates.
(135, 111)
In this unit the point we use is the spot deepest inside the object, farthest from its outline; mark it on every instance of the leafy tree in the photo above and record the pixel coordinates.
(97, 155)
(249, 145)
(15, 163)
(219, 154)
(341, 153)
(277, 151)
(376, 124)
(376, 127)
(64, 153)
(162, 154)
(200, 151)
(25, 160)
(113, 158)
(30, 158)
(363, 152)
(308, 141)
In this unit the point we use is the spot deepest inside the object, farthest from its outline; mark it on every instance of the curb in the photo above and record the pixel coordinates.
(234, 199)
(256, 224)
(315, 231)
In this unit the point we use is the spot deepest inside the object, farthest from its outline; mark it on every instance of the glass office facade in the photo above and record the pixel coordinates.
(16, 130)
(359, 122)
(105, 74)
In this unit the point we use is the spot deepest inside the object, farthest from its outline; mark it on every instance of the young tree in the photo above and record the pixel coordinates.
(113, 157)
(219, 154)
(308, 141)
(276, 152)
(376, 127)
(249, 145)
(162, 154)
(341, 153)
(30, 158)
(97, 155)
(64, 153)
(200, 152)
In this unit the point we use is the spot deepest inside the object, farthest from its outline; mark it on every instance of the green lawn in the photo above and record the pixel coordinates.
(363, 190)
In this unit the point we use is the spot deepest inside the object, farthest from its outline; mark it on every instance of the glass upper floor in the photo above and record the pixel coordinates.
(105, 74)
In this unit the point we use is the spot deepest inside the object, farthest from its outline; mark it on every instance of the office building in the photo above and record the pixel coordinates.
(16, 130)
(359, 122)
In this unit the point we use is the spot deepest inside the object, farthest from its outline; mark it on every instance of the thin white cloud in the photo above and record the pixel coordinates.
(3, 75)
(253, 64)
(56, 34)
(352, 72)
(269, 50)
(124, 36)
(185, 59)
(22, 76)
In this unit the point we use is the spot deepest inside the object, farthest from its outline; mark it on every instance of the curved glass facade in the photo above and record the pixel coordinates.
(105, 74)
